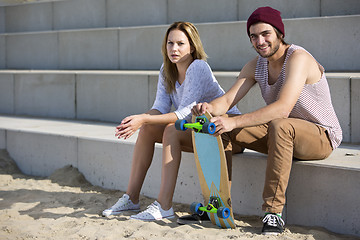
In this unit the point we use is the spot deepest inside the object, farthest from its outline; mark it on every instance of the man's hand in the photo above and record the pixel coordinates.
(223, 124)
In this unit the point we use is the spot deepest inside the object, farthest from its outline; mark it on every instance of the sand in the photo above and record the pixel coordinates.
(66, 206)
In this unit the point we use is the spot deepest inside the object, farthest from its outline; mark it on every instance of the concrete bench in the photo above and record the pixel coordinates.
(321, 193)
(104, 95)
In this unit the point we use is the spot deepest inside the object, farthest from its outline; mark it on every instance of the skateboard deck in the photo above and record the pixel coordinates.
(213, 175)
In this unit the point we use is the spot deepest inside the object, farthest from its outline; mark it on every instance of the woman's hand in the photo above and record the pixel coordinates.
(200, 109)
(129, 126)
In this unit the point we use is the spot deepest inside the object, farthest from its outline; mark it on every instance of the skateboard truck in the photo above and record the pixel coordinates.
(214, 206)
(201, 125)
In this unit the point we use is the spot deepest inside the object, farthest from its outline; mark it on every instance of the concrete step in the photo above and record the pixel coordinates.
(227, 45)
(321, 193)
(48, 15)
(22, 2)
(112, 95)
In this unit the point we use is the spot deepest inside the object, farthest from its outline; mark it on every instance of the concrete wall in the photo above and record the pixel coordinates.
(93, 49)
(227, 45)
(45, 95)
(32, 51)
(18, 2)
(79, 14)
(355, 113)
(7, 93)
(317, 40)
(340, 89)
(2, 139)
(2, 52)
(94, 165)
(202, 11)
(29, 17)
(136, 13)
(312, 209)
(75, 14)
(2, 20)
(112, 95)
(140, 48)
(46, 153)
(334, 7)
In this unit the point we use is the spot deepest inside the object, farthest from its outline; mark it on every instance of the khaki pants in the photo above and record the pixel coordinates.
(281, 139)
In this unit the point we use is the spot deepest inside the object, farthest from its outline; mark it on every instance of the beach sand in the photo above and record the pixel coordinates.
(66, 206)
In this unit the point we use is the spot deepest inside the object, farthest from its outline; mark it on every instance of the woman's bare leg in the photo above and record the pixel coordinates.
(142, 158)
(174, 142)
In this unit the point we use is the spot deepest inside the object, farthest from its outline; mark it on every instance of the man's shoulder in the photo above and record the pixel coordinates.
(301, 55)
(252, 63)
(250, 67)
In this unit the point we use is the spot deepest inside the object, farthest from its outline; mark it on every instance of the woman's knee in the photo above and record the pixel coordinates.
(174, 136)
(170, 133)
(169, 129)
(147, 129)
(151, 131)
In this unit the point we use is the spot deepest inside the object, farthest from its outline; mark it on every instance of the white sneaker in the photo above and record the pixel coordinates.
(123, 204)
(154, 212)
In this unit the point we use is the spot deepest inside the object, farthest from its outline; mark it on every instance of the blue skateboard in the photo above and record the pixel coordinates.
(212, 171)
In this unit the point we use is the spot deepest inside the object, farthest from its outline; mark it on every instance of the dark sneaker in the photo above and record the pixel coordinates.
(193, 219)
(273, 224)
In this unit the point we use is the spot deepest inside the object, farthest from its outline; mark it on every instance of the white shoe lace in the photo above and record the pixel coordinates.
(123, 202)
(153, 212)
(152, 208)
(273, 220)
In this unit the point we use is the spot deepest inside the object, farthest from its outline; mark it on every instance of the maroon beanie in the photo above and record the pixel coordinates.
(266, 15)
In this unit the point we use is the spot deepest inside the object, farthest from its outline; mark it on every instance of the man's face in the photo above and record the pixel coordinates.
(264, 39)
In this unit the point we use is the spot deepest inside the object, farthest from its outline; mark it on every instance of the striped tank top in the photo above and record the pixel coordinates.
(314, 104)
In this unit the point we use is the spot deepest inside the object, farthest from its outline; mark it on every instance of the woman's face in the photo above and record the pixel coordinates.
(178, 47)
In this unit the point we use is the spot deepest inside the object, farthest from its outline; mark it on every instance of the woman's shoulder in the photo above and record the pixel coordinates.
(199, 63)
(199, 66)
(161, 72)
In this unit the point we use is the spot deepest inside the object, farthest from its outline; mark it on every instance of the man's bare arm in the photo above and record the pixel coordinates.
(221, 105)
(296, 77)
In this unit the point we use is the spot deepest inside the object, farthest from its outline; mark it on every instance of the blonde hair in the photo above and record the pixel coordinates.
(170, 72)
